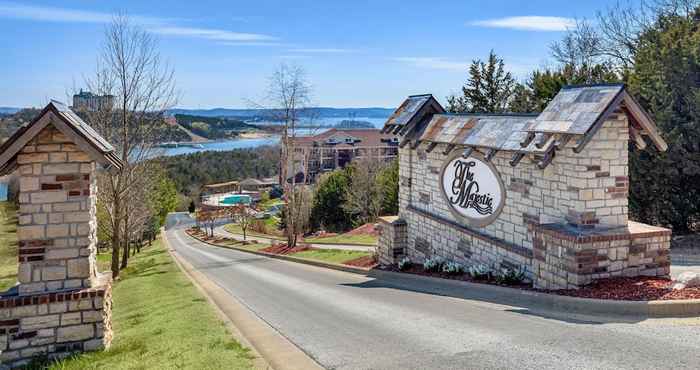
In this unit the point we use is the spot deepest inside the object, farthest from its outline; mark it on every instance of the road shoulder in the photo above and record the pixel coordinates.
(272, 350)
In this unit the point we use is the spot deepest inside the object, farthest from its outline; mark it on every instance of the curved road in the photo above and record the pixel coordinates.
(349, 321)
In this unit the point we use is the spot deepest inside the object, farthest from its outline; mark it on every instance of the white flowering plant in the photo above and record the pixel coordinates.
(404, 264)
(480, 272)
(433, 264)
(453, 268)
(511, 276)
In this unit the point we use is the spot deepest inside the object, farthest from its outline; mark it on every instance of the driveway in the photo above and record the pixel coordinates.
(219, 230)
(350, 321)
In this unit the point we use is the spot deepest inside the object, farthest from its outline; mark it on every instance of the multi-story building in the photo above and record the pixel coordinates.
(335, 148)
(86, 100)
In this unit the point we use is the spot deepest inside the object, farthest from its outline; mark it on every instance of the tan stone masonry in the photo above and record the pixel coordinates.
(61, 304)
(566, 224)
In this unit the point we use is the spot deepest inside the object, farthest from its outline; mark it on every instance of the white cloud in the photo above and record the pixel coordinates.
(161, 26)
(211, 34)
(434, 63)
(528, 23)
(322, 50)
(52, 14)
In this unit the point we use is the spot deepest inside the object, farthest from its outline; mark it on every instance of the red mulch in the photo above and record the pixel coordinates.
(365, 261)
(284, 249)
(366, 229)
(639, 288)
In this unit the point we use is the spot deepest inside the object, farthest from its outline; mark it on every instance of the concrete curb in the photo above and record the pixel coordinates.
(329, 265)
(524, 298)
(301, 241)
(271, 349)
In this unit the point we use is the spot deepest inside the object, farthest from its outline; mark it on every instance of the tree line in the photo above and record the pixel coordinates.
(650, 46)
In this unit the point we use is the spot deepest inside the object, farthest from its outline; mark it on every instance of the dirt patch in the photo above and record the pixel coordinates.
(365, 262)
(284, 249)
(366, 229)
(632, 289)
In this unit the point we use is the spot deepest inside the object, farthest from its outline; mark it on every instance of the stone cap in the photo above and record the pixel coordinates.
(392, 220)
(68, 123)
(631, 231)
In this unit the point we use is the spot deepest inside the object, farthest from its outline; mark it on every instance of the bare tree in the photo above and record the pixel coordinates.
(364, 197)
(289, 94)
(242, 215)
(616, 37)
(143, 86)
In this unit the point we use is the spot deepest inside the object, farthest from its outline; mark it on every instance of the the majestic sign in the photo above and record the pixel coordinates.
(473, 189)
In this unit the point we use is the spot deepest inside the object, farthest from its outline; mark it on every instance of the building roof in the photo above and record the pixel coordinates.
(576, 112)
(71, 125)
(259, 182)
(221, 184)
(363, 138)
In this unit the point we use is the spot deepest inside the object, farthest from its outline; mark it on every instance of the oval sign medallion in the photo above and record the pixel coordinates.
(473, 189)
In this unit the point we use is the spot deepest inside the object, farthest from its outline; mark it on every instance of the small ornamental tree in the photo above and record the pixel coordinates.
(243, 216)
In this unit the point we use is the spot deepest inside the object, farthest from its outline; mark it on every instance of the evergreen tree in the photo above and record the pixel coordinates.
(488, 88)
(328, 211)
(665, 187)
(388, 180)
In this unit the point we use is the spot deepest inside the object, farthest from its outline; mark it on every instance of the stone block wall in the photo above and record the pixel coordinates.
(54, 324)
(564, 260)
(57, 227)
(391, 245)
(585, 191)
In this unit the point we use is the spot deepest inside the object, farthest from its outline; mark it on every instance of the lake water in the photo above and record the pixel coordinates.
(225, 145)
(3, 192)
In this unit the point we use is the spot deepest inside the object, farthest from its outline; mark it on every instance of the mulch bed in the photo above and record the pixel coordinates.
(366, 229)
(365, 262)
(284, 249)
(639, 288)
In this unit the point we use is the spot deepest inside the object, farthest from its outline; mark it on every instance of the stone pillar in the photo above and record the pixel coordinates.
(61, 305)
(393, 236)
(57, 227)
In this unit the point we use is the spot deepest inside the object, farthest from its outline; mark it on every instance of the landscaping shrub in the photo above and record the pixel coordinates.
(404, 264)
(480, 272)
(433, 264)
(453, 268)
(511, 276)
(259, 226)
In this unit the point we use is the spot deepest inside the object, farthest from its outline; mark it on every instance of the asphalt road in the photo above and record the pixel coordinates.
(349, 321)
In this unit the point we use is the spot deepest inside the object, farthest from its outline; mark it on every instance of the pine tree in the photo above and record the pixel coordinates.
(488, 88)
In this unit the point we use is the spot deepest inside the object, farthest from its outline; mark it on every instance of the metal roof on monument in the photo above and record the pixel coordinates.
(576, 112)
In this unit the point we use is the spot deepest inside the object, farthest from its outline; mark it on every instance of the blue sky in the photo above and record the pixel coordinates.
(356, 53)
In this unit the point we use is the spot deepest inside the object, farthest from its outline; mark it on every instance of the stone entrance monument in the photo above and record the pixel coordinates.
(545, 192)
(61, 304)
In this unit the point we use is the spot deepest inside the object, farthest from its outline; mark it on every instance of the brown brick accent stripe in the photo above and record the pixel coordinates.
(583, 236)
(43, 298)
(519, 250)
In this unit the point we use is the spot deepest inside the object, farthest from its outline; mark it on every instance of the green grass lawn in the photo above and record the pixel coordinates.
(161, 321)
(269, 203)
(331, 255)
(8, 246)
(236, 229)
(344, 239)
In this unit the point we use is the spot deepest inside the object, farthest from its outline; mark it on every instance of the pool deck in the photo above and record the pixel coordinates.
(215, 199)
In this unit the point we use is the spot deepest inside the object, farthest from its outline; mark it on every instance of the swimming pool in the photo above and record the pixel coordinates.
(236, 199)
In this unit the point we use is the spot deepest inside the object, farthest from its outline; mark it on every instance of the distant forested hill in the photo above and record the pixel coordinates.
(10, 123)
(212, 127)
(191, 171)
(322, 112)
